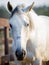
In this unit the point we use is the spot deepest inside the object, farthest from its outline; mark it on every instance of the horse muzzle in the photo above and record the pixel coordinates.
(20, 54)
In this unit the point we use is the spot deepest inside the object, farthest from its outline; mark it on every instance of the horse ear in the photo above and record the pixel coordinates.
(28, 8)
(9, 6)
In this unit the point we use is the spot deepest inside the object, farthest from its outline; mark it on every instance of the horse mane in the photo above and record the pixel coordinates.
(31, 25)
(32, 19)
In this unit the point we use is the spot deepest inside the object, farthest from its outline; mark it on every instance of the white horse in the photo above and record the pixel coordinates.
(41, 25)
(30, 35)
(19, 23)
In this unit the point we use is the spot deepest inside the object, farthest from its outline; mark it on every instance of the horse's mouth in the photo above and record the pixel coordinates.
(26, 60)
(20, 59)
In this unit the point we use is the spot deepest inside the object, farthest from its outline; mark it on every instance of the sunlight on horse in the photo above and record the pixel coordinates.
(30, 34)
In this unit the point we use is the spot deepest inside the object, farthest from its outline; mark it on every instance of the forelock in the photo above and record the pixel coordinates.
(31, 25)
(14, 11)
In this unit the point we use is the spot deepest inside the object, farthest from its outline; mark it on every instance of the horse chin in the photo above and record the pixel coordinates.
(21, 59)
(29, 57)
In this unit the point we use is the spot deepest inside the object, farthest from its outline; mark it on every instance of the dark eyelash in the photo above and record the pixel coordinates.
(10, 25)
(27, 24)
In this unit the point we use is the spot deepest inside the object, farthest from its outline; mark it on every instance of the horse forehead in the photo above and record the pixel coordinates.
(19, 19)
(25, 17)
(16, 21)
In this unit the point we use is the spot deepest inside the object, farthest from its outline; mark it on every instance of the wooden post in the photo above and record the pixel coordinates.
(4, 23)
(6, 41)
(6, 44)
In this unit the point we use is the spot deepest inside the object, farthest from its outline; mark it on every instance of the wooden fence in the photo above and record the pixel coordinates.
(4, 26)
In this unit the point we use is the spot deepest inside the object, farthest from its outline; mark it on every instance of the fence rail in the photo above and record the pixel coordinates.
(4, 26)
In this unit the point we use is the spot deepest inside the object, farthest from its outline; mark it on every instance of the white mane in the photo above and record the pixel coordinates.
(39, 34)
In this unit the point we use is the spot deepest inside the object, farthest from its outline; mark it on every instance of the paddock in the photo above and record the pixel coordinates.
(6, 41)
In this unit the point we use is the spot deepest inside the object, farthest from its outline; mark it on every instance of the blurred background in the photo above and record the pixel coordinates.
(41, 7)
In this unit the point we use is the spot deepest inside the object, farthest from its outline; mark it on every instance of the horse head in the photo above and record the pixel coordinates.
(20, 26)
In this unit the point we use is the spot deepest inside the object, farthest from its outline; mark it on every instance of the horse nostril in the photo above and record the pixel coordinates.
(20, 54)
(24, 53)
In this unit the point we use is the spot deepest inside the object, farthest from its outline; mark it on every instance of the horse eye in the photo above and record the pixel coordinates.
(10, 25)
(27, 24)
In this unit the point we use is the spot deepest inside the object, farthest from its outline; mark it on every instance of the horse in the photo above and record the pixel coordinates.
(42, 37)
(16, 47)
(30, 34)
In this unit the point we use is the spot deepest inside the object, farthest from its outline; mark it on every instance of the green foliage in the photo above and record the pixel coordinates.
(3, 12)
(42, 10)
(39, 10)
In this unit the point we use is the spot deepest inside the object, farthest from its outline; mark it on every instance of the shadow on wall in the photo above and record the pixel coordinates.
(4, 13)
